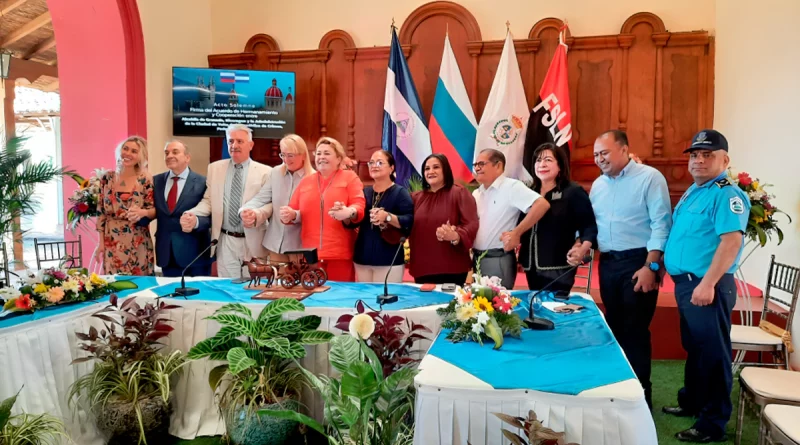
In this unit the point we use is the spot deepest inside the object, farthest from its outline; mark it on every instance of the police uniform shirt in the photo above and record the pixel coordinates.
(703, 215)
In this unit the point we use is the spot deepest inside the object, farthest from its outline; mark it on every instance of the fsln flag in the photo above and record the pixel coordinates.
(453, 125)
(502, 124)
(405, 133)
(551, 120)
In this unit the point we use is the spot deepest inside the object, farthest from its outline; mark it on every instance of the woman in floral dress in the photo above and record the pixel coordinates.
(126, 196)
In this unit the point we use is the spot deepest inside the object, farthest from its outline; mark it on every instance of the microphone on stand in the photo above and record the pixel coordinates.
(386, 298)
(539, 323)
(184, 291)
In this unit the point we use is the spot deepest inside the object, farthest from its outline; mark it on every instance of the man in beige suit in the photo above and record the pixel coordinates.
(231, 183)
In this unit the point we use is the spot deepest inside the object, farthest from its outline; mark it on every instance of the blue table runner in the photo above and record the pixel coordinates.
(579, 354)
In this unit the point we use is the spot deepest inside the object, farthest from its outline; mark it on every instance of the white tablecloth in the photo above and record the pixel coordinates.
(453, 407)
(38, 355)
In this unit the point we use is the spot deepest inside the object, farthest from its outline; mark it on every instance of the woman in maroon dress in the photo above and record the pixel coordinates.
(445, 225)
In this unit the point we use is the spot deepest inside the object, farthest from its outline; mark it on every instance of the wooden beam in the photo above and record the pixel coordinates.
(10, 5)
(30, 70)
(40, 47)
(26, 29)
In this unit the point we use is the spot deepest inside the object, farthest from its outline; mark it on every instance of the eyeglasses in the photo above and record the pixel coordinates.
(288, 156)
(378, 164)
(481, 164)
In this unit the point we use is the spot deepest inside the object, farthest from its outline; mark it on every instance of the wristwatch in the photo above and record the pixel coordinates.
(388, 217)
(655, 267)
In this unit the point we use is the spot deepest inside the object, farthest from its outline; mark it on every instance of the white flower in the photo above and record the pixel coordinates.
(483, 317)
(8, 293)
(362, 326)
(71, 285)
(88, 286)
(477, 328)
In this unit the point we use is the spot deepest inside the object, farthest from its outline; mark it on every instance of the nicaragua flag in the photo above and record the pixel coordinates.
(453, 125)
(551, 119)
(405, 133)
(502, 124)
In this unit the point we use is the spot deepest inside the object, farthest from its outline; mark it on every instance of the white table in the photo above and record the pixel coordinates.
(453, 406)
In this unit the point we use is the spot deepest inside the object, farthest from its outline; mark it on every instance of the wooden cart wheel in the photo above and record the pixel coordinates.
(322, 276)
(309, 280)
(287, 281)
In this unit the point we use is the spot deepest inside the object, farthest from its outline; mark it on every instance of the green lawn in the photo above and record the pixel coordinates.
(667, 380)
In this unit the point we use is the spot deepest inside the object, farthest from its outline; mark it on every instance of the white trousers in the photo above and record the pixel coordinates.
(376, 274)
(229, 257)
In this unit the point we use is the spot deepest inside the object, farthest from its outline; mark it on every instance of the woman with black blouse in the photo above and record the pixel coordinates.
(543, 255)
(391, 214)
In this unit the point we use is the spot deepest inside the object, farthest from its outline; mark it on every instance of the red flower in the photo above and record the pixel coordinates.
(745, 179)
(136, 270)
(23, 302)
(501, 305)
(767, 205)
(82, 207)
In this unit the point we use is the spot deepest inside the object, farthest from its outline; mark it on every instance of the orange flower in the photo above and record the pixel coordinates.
(23, 302)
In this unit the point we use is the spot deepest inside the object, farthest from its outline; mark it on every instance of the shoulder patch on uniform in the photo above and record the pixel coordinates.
(737, 205)
(723, 182)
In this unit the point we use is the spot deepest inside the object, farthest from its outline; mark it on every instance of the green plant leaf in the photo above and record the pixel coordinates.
(206, 348)
(344, 350)
(359, 381)
(235, 307)
(239, 361)
(225, 334)
(349, 411)
(297, 417)
(5, 409)
(374, 362)
(762, 236)
(282, 306)
(283, 348)
(122, 285)
(314, 337)
(281, 328)
(309, 322)
(400, 379)
(494, 332)
(246, 327)
(216, 375)
(757, 210)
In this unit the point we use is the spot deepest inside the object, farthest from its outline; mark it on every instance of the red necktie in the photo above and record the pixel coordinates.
(172, 198)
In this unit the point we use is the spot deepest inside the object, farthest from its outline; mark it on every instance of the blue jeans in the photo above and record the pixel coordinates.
(706, 337)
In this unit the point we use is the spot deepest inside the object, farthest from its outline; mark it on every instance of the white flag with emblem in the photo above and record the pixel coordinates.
(506, 114)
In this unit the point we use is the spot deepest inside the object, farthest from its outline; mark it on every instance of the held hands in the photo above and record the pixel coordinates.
(135, 214)
(248, 218)
(287, 214)
(703, 294)
(447, 232)
(340, 212)
(188, 221)
(510, 239)
(577, 253)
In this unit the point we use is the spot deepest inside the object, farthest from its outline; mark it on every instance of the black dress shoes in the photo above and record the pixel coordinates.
(677, 411)
(695, 436)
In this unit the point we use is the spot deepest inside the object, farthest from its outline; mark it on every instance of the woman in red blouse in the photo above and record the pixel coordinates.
(445, 225)
(321, 203)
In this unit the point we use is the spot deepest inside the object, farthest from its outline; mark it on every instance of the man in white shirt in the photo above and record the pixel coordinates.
(501, 200)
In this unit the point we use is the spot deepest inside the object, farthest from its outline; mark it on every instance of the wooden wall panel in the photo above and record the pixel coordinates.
(656, 85)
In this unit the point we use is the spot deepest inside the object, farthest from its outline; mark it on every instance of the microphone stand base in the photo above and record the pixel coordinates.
(387, 299)
(186, 291)
(539, 324)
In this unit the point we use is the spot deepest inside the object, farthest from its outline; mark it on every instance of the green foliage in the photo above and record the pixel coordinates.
(363, 407)
(27, 429)
(259, 369)
(414, 183)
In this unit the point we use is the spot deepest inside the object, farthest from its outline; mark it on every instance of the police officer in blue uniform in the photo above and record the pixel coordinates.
(701, 254)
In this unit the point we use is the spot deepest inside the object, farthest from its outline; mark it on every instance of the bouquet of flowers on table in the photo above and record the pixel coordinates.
(84, 199)
(52, 287)
(762, 223)
(481, 311)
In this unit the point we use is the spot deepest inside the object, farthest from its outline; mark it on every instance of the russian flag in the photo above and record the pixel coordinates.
(453, 125)
(405, 133)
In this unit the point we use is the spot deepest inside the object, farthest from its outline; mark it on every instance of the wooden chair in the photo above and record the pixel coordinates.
(759, 338)
(781, 426)
(66, 253)
(759, 387)
(585, 273)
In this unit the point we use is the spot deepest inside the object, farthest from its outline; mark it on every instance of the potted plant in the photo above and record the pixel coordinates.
(28, 429)
(128, 391)
(259, 371)
(363, 407)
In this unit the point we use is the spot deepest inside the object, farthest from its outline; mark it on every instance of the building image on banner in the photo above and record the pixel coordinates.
(206, 101)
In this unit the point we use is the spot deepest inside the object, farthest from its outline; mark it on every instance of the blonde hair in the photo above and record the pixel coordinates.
(292, 143)
(141, 167)
(337, 147)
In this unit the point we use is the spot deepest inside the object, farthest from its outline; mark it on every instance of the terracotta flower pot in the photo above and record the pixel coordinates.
(118, 423)
(261, 430)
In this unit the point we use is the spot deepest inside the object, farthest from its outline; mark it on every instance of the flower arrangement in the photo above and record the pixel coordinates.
(762, 223)
(385, 335)
(60, 286)
(84, 199)
(483, 310)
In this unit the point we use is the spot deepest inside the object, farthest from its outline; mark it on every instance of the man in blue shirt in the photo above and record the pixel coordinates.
(702, 253)
(632, 208)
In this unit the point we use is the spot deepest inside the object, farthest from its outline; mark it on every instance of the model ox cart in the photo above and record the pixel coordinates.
(303, 268)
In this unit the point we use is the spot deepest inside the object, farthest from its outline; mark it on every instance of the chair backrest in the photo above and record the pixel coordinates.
(585, 273)
(785, 278)
(5, 278)
(68, 253)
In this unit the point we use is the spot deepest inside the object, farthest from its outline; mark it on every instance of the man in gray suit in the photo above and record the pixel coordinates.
(176, 191)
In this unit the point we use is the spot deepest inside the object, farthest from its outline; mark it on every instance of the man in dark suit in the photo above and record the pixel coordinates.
(176, 191)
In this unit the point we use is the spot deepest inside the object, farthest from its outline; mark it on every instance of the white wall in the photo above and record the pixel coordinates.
(300, 24)
(176, 33)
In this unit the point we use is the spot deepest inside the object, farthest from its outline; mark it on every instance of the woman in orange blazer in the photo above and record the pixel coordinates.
(321, 203)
